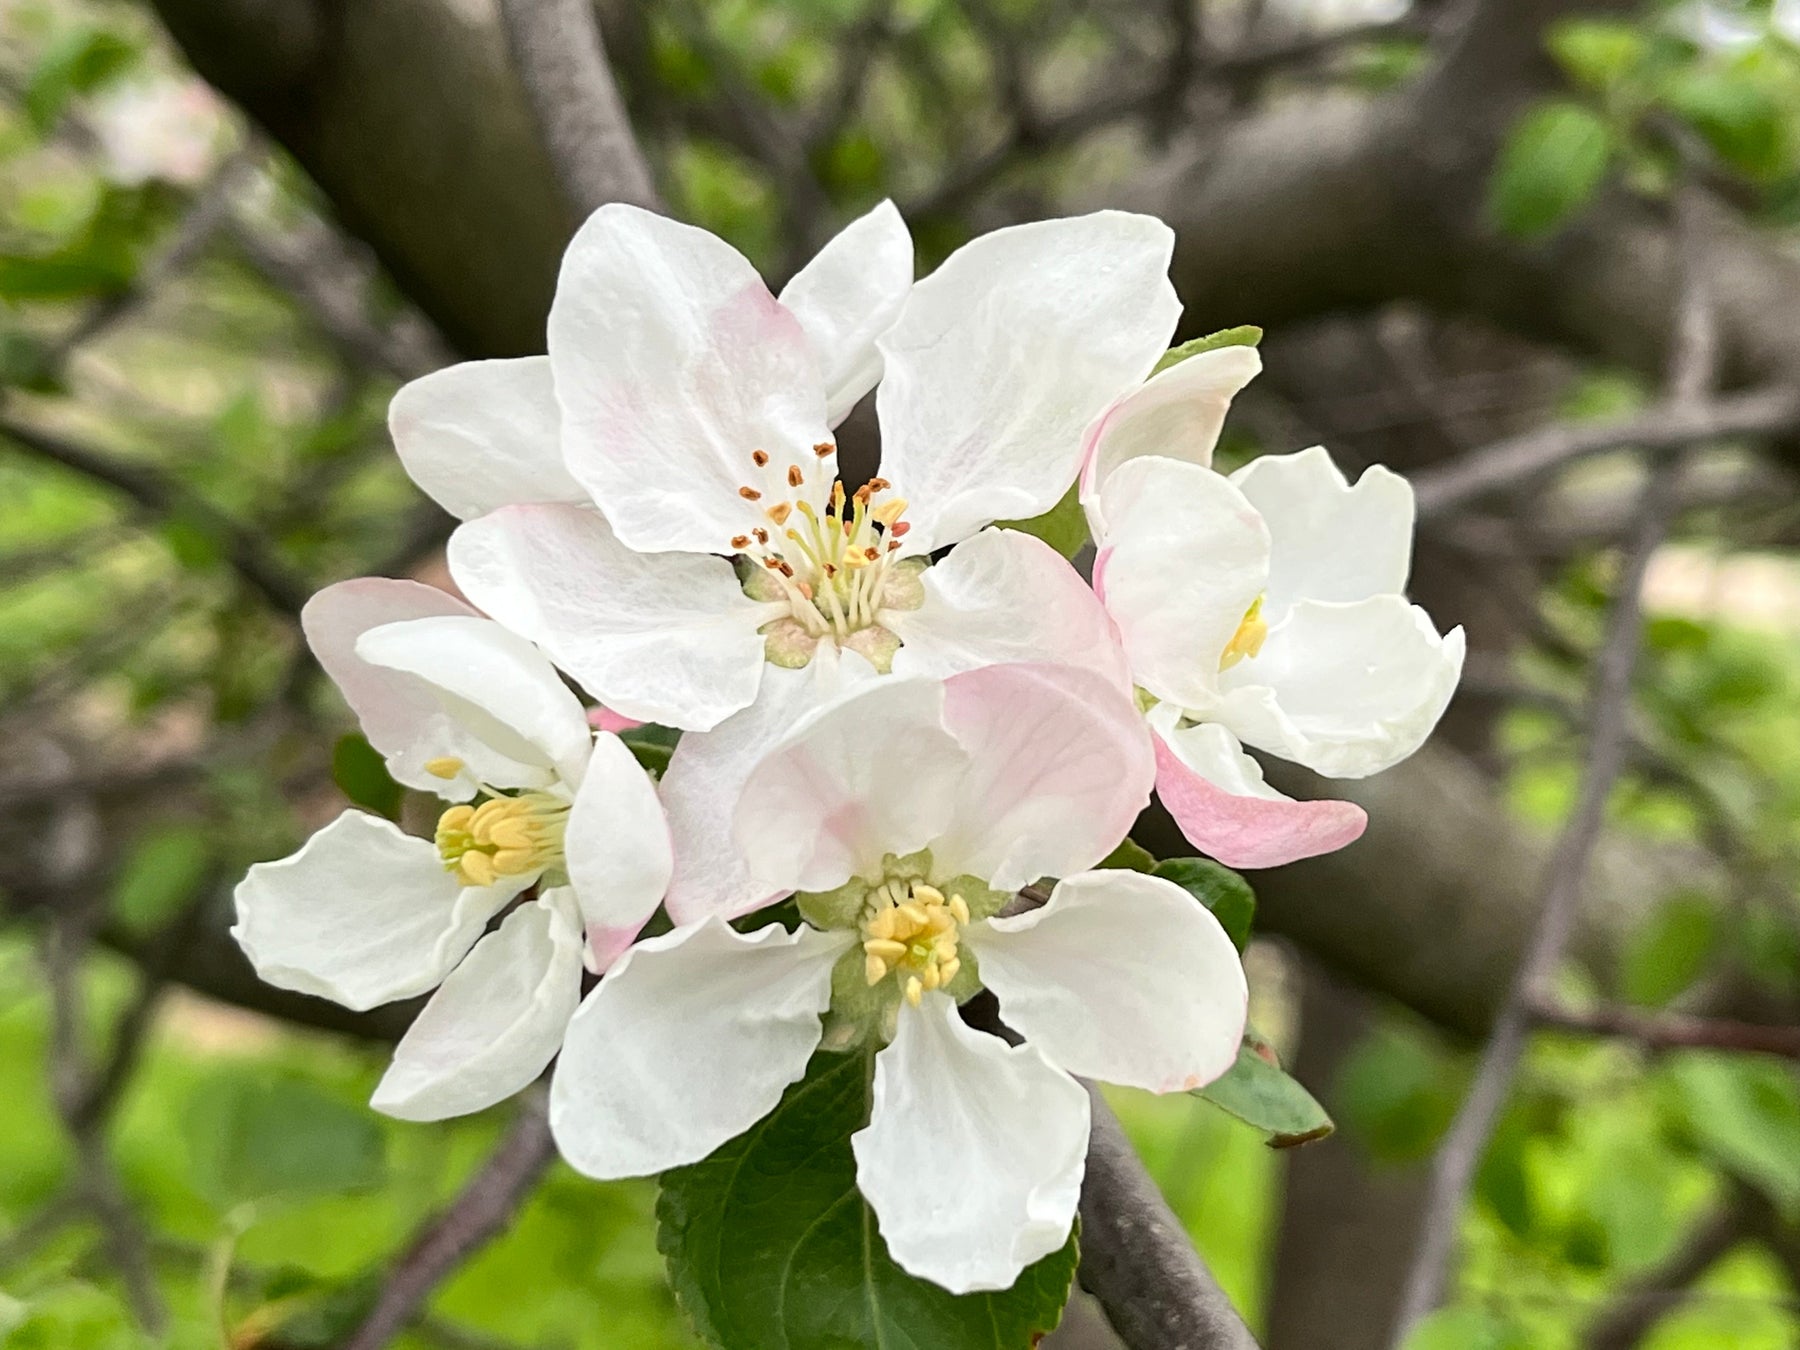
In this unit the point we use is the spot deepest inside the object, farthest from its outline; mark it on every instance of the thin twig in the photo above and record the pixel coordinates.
(1672, 1031)
(561, 61)
(1453, 1170)
(485, 1206)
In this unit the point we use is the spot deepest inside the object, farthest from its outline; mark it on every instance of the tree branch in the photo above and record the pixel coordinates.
(1672, 1031)
(484, 1208)
(561, 60)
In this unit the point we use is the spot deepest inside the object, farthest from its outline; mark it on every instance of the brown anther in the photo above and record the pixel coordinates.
(863, 494)
(824, 448)
(762, 535)
(759, 457)
(795, 477)
(878, 484)
(871, 553)
(830, 570)
(893, 544)
(899, 527)
(740, 541)
(786, 571)
(749, 494)
(773, 564)
(780, 512)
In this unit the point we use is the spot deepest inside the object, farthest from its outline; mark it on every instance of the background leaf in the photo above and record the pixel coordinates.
(1550, 167)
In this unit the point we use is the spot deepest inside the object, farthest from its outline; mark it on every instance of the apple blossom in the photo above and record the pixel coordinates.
(1265, 609)
(906, 813)
(364, 914)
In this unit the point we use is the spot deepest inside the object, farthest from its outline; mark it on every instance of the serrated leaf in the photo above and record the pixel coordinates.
(362, 775)
(769, 1242)
(1221, 890)
(1064, 526)
(1259, 1092)
(1245, 335)
(1550, 167)
(259, 1138)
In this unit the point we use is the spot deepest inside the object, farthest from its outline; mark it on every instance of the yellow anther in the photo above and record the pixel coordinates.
(927, 895)
(929, 977)
(874, 969)
(780, 512)
(502, 837)
(911, 931)
(1249, 638)
(890, 511)
(960, 908)
(444, 766)
(887, 949)
(947, 971)
(915, 990)
(477, 869)
(882, 925)
(914, 915)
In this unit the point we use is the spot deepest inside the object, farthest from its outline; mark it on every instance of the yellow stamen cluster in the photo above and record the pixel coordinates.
(910, 931)
(831, 567)
(1249, 638)
(502, 837)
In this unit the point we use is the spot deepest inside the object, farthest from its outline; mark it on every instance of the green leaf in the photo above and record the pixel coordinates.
(1740, 119)
(1131, 857)
(1745, 1114)
(770, 1244)
(1597, 53)
(1468, 1329)
(161, 875)
(1260, 1093)
(1220, 889)
(1063, 527)
(1669, 952)
(653, 745)
(79, 61)
(362, 775)
(1245, 335)
(261, 1138)
(1550, 167)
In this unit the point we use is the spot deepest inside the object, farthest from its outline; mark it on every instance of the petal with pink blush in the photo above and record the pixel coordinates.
(400, 715)
(673, 366)
(1060, 764)
(1002, 596)
(1177, 413)
(1217, 796)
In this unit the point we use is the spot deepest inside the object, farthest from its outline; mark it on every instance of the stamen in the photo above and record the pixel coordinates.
(502, 837)
(1249, 638)
(759, 457)
(824, 448)
(444, 766)
(740, 541)
(795, 477)
(780, 512)
(749, 494)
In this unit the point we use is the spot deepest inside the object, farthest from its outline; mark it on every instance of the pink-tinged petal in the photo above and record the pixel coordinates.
(1216, 794)
(1060, 764)
(1002, 357)
(605, 719)
(1001, 596)
(666, 637)
(674, 364)
(1177, 413)
(1345, 689)
(517, 724)
(849, 295)
(706, 777)
(974, 1152)
(1329, 540)
(497, 1021)
(872, 773)
(690, 1039)
(483, 434)
(1122, 977)
(362, 914)
(400, 715)
(1185, 557)
(618, 849)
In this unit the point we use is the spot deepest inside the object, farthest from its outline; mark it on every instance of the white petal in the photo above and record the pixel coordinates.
(1346, 690)
(872, 773)
(1121, 976)
(1002, 357)
(524, 728)
(362, 914)
(1184, 558)
(1060, 765)
(483, 434)
(662, 637)
(1329, 541)
(618, 850)
(497, 1021)
(687, 1042)
(1217, 795)
(673, 363)
(400, 715)
(849, 295)
(706, 776)
(1003, 596)
(974, 1153)
(1177, 413)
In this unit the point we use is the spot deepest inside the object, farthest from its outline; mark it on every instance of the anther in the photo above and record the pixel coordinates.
(795, 477)
(824, 448)
(759, 457)
(749, 494)
(915, 991)
(762, 535)
(444, 766)
(740, 541)
(780, 512)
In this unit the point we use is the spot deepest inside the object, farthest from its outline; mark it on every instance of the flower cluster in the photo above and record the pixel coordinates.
(925, 728)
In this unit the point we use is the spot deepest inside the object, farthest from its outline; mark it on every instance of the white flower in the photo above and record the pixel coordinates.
(158, 129)
(908, 812)
(364, 914)
(1265, 609)
(693, 409)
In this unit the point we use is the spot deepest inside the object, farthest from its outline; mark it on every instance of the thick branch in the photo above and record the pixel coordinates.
(560, 58)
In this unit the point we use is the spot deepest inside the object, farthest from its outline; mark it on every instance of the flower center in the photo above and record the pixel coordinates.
(1249, 638)
(832, 569)
(502, 837)
(910, 932)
